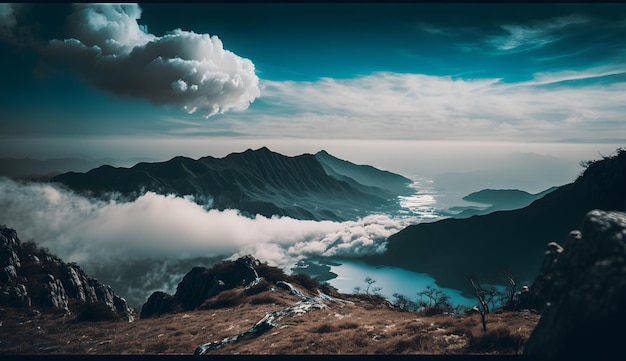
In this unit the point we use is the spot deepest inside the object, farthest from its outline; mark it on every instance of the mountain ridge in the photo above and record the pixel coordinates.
(254, 181)
(482, 246)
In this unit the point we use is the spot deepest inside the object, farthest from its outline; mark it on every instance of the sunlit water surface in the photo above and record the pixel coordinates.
(391, 280)
(422, 206)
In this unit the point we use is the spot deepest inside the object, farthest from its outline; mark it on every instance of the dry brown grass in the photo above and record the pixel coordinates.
(359, 328)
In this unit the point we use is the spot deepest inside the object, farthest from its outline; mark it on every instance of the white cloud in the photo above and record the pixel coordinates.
(111, 51)
(569, 75)
(167, 227)
(522, 38)
(415, 106)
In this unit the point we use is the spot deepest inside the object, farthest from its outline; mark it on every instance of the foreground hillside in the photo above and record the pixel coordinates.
(361, 326)
(50, 307)
(248, 307)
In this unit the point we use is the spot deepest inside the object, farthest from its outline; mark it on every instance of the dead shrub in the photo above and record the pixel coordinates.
(95, 312)
(228, 298)
(160, 347)
(499, 341)
(264, 299)
(261, 286)
(325, 328)
(348, 325)
(270, 273)
(415, 343)
(447, 323)
(360, 341)
(433, 311)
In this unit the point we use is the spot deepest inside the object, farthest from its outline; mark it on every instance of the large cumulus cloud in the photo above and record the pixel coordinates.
(110, 50)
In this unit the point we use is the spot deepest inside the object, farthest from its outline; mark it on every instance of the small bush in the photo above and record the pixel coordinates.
(415, 343)
(349, 325)
(325, 328)
(228, 298)
(263, 285)
(160, 347)
(499, 340)
(329, 290)
(306, 281)
(433, 311)
(270, 273)
(96, 312)
(263, 299)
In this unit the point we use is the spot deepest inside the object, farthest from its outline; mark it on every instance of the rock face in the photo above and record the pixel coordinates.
(584, 309)
(31, 277)
(200, 284)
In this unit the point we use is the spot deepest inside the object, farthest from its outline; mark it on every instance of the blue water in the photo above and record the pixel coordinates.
(391, 280)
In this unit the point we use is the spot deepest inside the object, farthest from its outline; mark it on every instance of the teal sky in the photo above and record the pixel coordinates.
(532, 73)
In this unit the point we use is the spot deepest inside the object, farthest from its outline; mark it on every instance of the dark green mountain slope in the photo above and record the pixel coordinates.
(364, 174)
(452, 249)
(499, 200)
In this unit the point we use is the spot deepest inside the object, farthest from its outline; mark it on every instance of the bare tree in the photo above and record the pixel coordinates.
(483, 306)
(436, 300)
(375, 290)
(510, 291)
(404, 303)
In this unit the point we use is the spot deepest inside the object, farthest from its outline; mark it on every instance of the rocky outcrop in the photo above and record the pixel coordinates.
(271, 319)
(15, 296)
(200, 284)
(157, 304)
(32, 277)
(548, 281)
(54, 295)
(582, 288)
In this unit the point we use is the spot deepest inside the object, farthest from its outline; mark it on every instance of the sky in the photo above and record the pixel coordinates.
(404, 87)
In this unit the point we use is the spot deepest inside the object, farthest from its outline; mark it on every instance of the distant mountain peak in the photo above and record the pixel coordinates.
(318, 187)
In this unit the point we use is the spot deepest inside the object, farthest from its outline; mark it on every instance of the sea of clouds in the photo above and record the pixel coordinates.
(101, 235)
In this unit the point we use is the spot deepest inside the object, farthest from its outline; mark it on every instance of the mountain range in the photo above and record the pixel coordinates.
(451, 250)
(315, 187)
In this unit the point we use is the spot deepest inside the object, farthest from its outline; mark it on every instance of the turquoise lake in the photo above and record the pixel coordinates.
(392, 280)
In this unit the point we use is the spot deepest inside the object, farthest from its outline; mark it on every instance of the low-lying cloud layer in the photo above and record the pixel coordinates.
(108, 49)
(155, 226)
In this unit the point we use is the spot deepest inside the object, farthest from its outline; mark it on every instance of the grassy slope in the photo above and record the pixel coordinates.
(363, 327)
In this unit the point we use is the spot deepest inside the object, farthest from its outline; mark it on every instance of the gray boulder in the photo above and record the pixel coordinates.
(8, 274)
(201, 284)
(55, 296)
(584, 312)
(77, 284)
(16, 296)
(158, 303)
